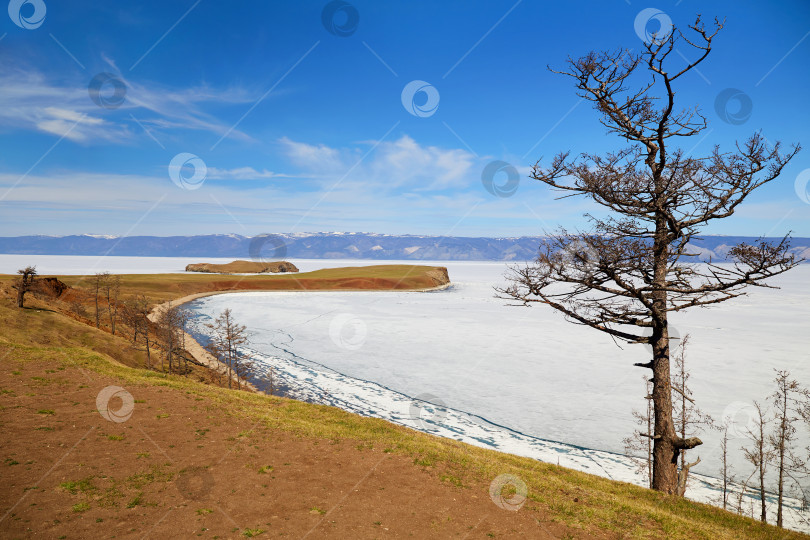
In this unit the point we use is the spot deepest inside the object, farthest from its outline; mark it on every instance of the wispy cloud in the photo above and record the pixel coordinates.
(31, 101)
(76, 126)
(245, 173)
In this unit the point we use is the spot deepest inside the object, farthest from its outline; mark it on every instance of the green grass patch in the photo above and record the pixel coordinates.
(136, 501)
(84, 485)
(81, 507)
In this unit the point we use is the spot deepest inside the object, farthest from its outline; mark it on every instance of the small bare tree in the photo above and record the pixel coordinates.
(135, 314)
(24, 283)
(759, 455)
(788, 402)
(627, 274)
(99, 279)
(226, 339)
(111, 286)
(639, 442)
(170, 324)
(689, 419)
(726, 474)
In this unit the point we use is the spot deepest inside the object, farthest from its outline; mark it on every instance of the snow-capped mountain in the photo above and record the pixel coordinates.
(328, 245)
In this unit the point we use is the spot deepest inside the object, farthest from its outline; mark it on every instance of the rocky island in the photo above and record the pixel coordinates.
(244, 267)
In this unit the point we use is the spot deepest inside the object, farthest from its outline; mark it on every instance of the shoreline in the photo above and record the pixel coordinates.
(202, 356)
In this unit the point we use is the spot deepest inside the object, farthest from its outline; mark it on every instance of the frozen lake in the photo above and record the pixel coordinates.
(519, 379)
(522, 380)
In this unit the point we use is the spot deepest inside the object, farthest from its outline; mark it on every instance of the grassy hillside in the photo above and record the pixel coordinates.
(196, 459)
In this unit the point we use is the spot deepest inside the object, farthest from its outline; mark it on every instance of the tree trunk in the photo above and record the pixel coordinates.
(20, 296)
(665, 453)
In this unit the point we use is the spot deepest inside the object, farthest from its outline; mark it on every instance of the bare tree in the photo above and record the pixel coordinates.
(24, 283)
(170, 324)
(226, 340)
(725, 467)
(759, 455)
(129, 317)
(136, 315)
(98, 283)
(689, 419)
(183, 318)
(638, 442)
(626, 275)
(142, 307)
(111, 285)
(788, 402)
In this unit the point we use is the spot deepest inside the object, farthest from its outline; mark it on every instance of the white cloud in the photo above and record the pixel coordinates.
(402, 163)
(316, 158)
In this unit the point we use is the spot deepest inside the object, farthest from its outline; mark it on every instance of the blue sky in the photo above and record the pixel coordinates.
(301, 129)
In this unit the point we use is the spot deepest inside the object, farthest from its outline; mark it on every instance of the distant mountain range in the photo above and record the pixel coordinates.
(330, 245)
